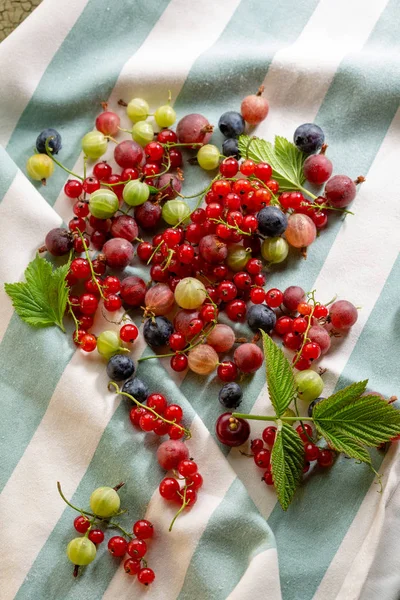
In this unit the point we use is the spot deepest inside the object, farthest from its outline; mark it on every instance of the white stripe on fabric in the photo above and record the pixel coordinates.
(34, 477)
(183, 539)
(261, 579)
(25, 219)
(163, 62)
(345, 576)
(330, 34)
(42, 33)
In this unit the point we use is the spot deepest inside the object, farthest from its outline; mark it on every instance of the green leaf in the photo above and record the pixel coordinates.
(41, 301)
(153, 190)
(287, 462)
(285, 159)
(281, 385)
(351, 422)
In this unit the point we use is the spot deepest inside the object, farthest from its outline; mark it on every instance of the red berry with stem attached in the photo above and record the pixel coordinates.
(257, 295)
(143, 529)
(254, 266)
(102, 171)
(229, 167)
(299, 325)
(128, 333)
(176, 432)
(80, 268)
(311, 351)
(247, 167)
(91, 184)
(88, 342)
(179, 362)
(273, 186)
(304, 309)
(311, 452)
(320, 311)
(221, 188)
(73, 188)
(274, 298)
(236, 310)
(325, 458)
(166, 136)
(158, 402)
(132, 566)
(227, 371)
(88, 304)
(144, 251)
(177, 341)
(81, 524)
(99, 266)
(320, 219)
(242, 280)
(81, 209)
(154, 151)
(168, 488)
(241, 187)
(111, 285)
(269, 435)
(147, 422)
(135, 415)
(91, 286)
(137, 548)
(146, 576)
(262, 458)
(117, 546)
(77, 224)
(96, 536)
(161, 427)
(195, 481)
(86, 321)
(175, 157)
(304, 430)
(187, 468)
(98, 239)
(301, 364)
(267, 477)
(208, 313)
(256, 445)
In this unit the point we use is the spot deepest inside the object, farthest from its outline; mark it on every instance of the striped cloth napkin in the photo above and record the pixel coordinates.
(335, 63)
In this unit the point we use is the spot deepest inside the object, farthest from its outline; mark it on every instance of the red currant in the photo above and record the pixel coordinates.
(229, 167)
(227, 371)
(283, 325)
(132, 566)
(187, 468)
(320, 311)
(177, 341)
(88, 342)
(247, 167)
(269, 435)
(274, 298)
(221, 188)
(250, 223)
(241, 187)
(299, 325)
(176, 158)
(88, 304)
(91, 286)
(112, 302)
(137, 548)
(259, 279)
(267, 477)
(311, 452)
(226, 291)
(273, 186)
(198, 216)
(304, 309)
(117, 546)
(96, 536)
(186, 254)
(161, 427)
(304, 430)
(111, 285)
(144, 251)
(129, 174)
(195, 481)
(128, 333)
(157, 402)
(302, 364)
(86, 321)
(102, 171)
(154, 150)
(173, 412)
(176, 432)
(208, 313)
(98, 239)
(257, 295)
(147, 422)
(311, 351)
(143, 529)
(256, 445)
(168, 488)
(81, 209)
(146, 576)
(73, 188)
(236, 310)
(91, 184)
(262, 458)
(171, 237)
(179, 362)
(166, 136)
(80, 268)
(254, 266)
(81, 524)
(325, 458)
(263, 171)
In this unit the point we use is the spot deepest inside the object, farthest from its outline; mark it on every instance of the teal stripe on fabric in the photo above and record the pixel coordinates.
(8, 170)
(237, 531)
(31, 364)
(316, 509)
(81, 75)
(123, 454)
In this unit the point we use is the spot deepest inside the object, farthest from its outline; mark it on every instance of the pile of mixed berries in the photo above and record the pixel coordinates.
(207, 260)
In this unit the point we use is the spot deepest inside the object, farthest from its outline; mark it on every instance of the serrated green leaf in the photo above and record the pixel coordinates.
(41, 300)
(285, 159)
(287, 462)
(281, 385)
(350, 423)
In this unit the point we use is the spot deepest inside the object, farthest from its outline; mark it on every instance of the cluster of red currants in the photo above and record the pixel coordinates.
(183, 488)
(147, 421)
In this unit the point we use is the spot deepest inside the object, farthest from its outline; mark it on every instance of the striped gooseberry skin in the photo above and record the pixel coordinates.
(159, 299)
(301, 231)
(203, 359)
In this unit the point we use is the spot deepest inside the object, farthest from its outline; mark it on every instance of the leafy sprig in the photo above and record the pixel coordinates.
(41, 300)
(350, 422)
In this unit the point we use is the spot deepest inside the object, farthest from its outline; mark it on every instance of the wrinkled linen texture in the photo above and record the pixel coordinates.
(333, 63)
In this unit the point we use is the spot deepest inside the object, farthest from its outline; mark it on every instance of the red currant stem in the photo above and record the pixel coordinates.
(166, 169)
(148, 408)
(70, 305)
(118, 183)
(167, 262)
(327, 207)
(185, 503)
(179, 144)
(49, 153)
(121, 529)
(94, 279)
(79, 510)
(251, 140)
(305, 338)
(307, 192)
(331, 301)
(269, 418)
(235, 227)
(154, 251)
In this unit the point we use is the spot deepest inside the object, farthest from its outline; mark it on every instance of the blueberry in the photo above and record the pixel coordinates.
(309, 138)
(231, 124)
(156, 331)
(120, 367)
(313, 403)
(271, 221)
(136, 388)
(262, 317)
(230, 395)
(230, 147)
(54, 144)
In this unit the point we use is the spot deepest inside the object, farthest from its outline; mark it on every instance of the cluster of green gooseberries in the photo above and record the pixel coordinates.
(104, 507)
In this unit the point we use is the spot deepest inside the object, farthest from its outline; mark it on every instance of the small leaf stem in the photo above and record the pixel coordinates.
(270, 418)
(94, 279)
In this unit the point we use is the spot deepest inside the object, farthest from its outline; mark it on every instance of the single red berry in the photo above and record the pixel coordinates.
(112, 302)
(91, 286)
(229, 167)
(171, 237)
(179, 362)
(325, 458)
(175, 157)
(257, 295)
(78, 335)
(88, 304)
(195, 481)
(161, 427)
(166, 136)
(154, 150)
(254, 266)
(81, 209)
(144, 251)
(234, 217)
(143, 529)
(100, 224)
(157, 402)
(128, 333)
(262, 458)
(176, 432)
(73, 188)
(99, 266)
(283, 325)
(247, 167)
(232, 201)
(177, 341)
(86, 322)
(132, 566)
(311, 452)
(137, 548)
(250, 223)
(267, 477)
(111, 285)
(146, 576)
(168, 488)
(91, 184)
(96, 536)
(117, 546)
(198, 216)
(80, 268)
(214, 210)
(256, 445)
(227, 371)
(304, 430)
(129, 174)
(274, 298)
(81, 524)
(263, 171)
(311, 351)
(102, 171)
(226, 291)
(236, 310)
(241, 187)
(187, 468)
(194, 327)
(242, 280)
(320, 311)
(221, 188)
(269, 435)
(147, 422)
(208, 313)
(273, 186)
(194, 233)
(299, 325)
(173, 412)
(98, 239)
(304, 309)
(135, 415)
(258, 200)
(259, 279)
(320, 219)
(191, 497)
(88, 342)
(302, 364)
(185, 254)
